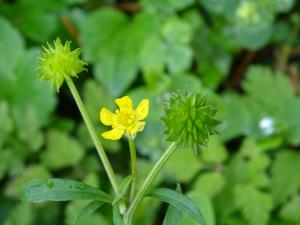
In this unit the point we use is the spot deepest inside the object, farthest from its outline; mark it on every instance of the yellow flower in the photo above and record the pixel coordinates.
(125, 120)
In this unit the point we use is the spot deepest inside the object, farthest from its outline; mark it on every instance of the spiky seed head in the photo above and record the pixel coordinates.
(58, 61)
(189, 120)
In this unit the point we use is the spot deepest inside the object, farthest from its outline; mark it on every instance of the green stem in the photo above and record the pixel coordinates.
(92, 131)
(133, 167)
(148, 182)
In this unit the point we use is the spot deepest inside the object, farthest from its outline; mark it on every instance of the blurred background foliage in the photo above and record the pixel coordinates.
(244, 54)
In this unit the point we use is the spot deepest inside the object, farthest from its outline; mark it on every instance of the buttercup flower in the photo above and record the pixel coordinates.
(58, 62)
(125, 120)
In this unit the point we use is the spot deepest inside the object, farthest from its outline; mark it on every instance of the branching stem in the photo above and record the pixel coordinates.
(148, 182)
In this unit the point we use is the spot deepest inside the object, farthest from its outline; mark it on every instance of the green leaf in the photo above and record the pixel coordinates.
(284, 181)
(146, 212)
(30, 130)
(73, 208)
(61, 190)
(38, 21)
(12, 43)
(173, 215)
(215, 152)
(94, 38)
(22, 214)
(179, 201)
(175, 167)
(255, 205)
(32, 172)
(206, 206)
(184, 82)
(166, 5)
(253, 24)
(277, 87)
(62, 150)
(24, 91)
(88, 210)
(123, 187)
(290, 211)
(209, 183)
(6, 123)
(235, 116)
(177, 36)
(290, 116)
(117, 219)
(115, 46)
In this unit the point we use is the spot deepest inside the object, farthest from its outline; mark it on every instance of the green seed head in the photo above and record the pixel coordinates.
(189, 120)
(58, 62)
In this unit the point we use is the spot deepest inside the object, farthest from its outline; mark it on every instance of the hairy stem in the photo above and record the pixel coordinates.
(148, 182)
(133, 167)
(93, 134)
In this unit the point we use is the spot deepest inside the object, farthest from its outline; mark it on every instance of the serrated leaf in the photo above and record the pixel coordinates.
(88, 210)
(284, 180)
(123, 187)
(255, 205)
(179, 201)
(117, 219)
(277, 87)
(61, 190)
(173, 215)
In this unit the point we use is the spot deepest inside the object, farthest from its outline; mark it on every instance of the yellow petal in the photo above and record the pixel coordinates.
(124, 103)
(134, 128)
(106, 116)
(114, 134)
(142, 109)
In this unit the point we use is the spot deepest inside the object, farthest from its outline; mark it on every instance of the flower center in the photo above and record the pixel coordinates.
(125, 118)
